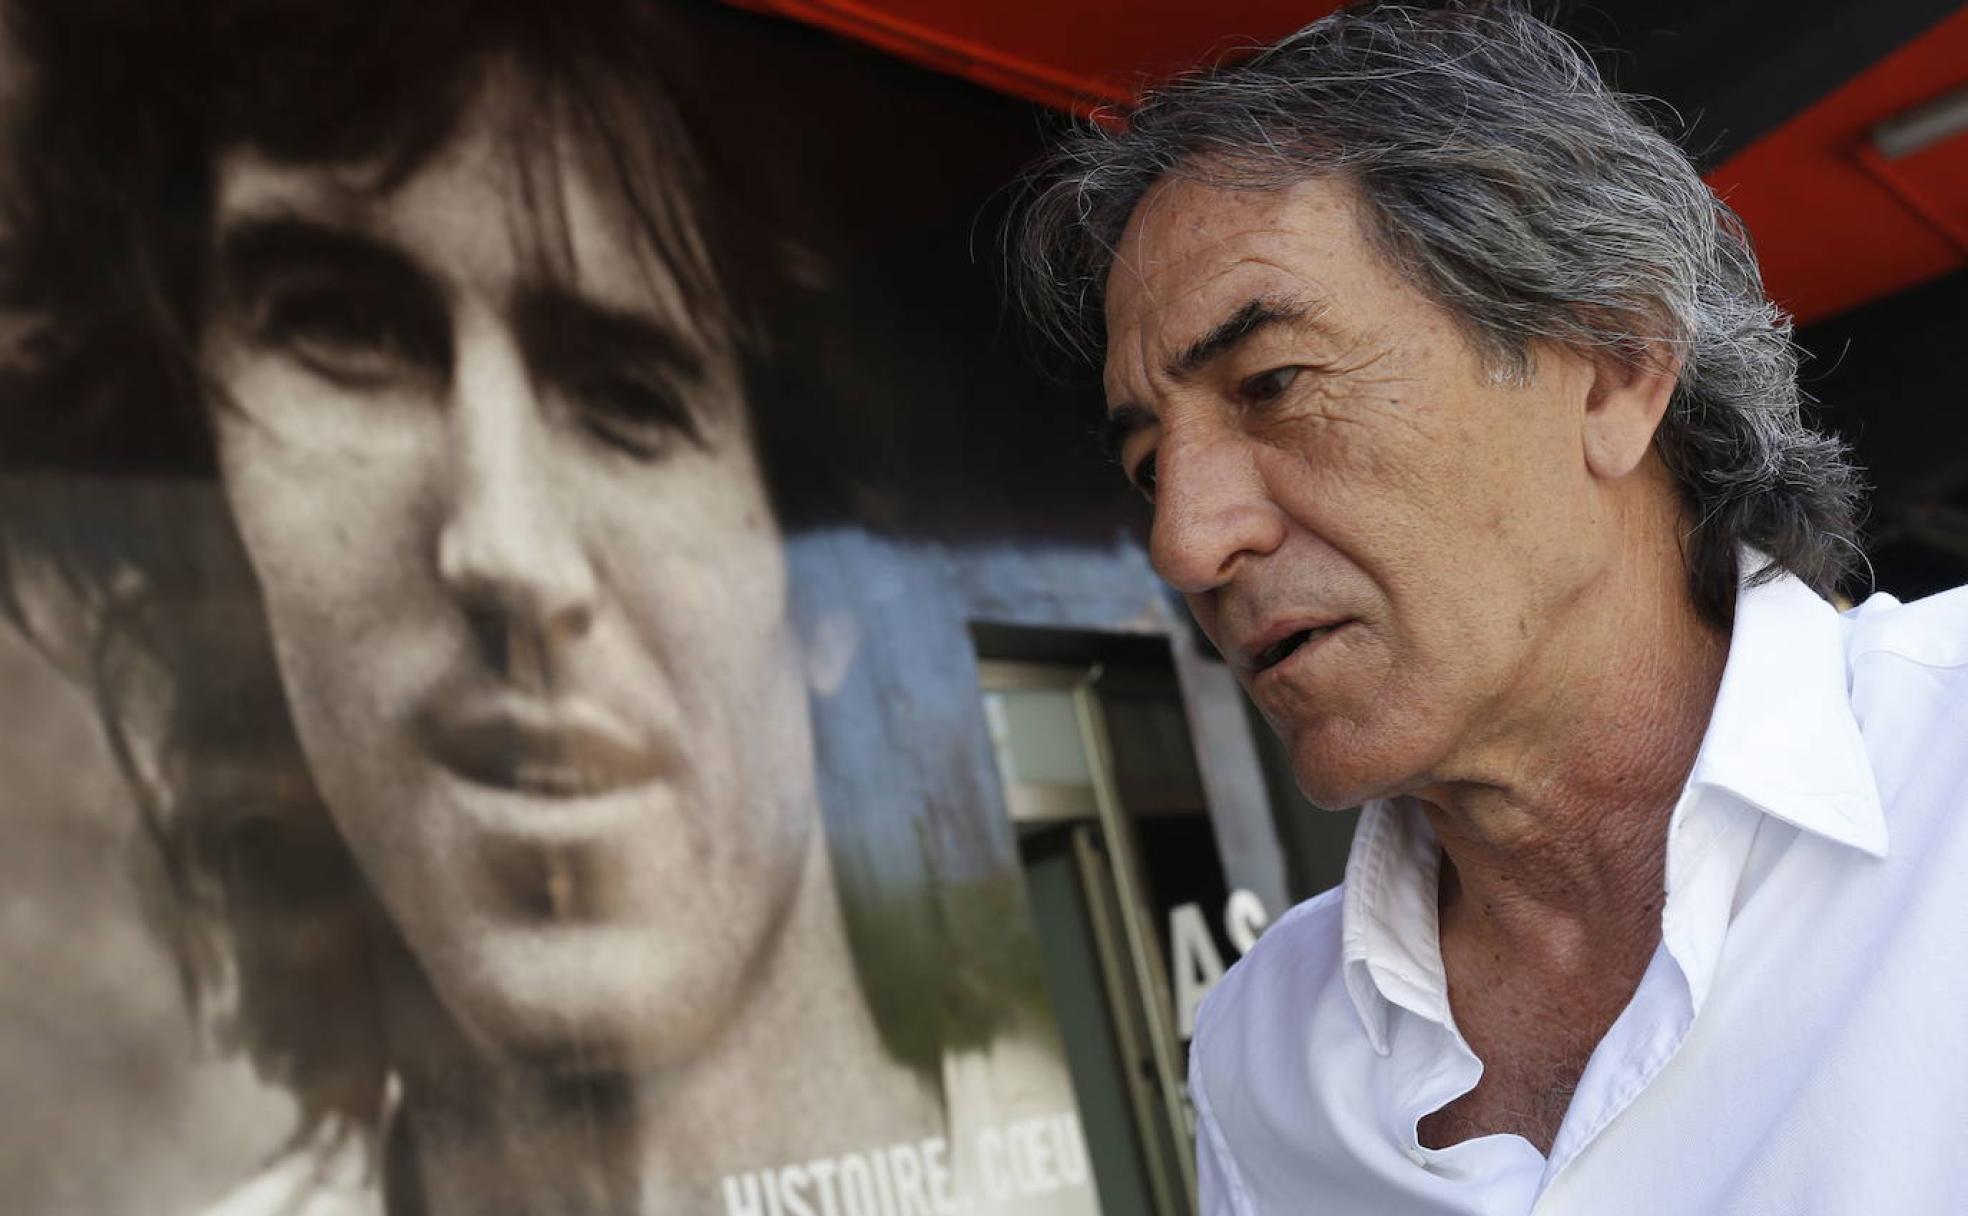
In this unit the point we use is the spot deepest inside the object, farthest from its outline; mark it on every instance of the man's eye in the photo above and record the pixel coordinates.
(1268, 385)
(635, 409)
(358, 338)
(1143, 477)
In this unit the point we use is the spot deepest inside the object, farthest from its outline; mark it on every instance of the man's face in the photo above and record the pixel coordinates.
(1375, 530)
(528, 598)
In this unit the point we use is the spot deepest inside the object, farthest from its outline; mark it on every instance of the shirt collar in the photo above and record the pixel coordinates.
(1781, 738)
(1390, 951)
(1782, 744)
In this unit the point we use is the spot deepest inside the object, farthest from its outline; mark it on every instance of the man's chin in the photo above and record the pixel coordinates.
(1326, 795)
(585, 1011)
(1338, 774)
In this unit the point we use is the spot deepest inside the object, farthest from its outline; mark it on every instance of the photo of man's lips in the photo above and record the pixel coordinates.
(560, 749)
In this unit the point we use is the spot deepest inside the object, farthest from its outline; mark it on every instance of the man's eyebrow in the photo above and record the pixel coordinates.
(253, 250)
(1251, 317)
(564, 332)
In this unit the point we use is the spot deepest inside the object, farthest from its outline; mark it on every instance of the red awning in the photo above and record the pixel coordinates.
(1836, 222)
(1072, 54)
(1841, 215)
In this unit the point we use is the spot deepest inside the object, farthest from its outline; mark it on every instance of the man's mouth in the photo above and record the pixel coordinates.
(551, 752)
(1282, 649)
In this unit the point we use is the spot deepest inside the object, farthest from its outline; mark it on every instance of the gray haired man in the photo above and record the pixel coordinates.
(1474, 445)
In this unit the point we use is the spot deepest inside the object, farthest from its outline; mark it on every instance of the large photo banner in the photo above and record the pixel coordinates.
(464, 749)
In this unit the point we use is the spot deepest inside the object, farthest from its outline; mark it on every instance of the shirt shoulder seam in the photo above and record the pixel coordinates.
(1224, 991)
(1240, 1200)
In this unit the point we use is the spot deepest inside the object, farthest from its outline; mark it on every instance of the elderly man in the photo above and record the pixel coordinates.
(1474, 445)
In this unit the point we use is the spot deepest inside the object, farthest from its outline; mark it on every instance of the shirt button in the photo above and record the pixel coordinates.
(1417, 1156)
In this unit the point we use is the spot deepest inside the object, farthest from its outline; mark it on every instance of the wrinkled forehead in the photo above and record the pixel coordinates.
(1191, 250)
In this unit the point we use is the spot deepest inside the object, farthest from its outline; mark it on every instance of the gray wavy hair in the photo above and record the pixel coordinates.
(1503, 179)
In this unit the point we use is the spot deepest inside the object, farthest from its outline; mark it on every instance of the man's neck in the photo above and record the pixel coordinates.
(1554, 844)
(1554, 832)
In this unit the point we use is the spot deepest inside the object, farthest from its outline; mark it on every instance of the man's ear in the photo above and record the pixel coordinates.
(1624, 407)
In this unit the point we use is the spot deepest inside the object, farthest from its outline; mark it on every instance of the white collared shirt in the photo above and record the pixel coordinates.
(1798, 1043)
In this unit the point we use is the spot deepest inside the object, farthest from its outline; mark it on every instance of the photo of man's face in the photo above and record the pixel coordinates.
(521, 718)
(494, 473)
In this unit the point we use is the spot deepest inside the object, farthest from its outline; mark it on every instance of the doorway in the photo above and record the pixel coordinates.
(1127, 890)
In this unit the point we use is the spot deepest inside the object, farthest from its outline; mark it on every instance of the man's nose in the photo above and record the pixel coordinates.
(510, 548)
(1213, 511)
